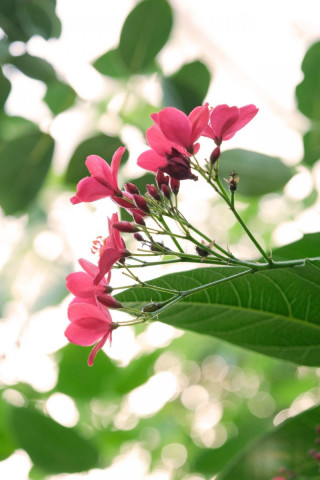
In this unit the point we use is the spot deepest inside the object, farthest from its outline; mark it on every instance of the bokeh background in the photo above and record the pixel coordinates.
(162, 404)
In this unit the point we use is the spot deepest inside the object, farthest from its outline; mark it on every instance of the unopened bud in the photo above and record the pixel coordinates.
(138, 218)
(138, 237)
(153, 192)
(131, 188)
(109, 301)
(166, 191)
(125, 227)
(161, 179)
(141, 203)
(107, 289)
(174, 185)
(215, 155)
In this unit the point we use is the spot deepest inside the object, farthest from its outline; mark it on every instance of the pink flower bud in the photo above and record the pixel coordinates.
(138, 218)
(166, 191)
(153, 192)
(174, 185)
(131, 188)
(141, 203)
(109, 301)
(161, 178)
(125, 227)
(215, 155)
(138, 237)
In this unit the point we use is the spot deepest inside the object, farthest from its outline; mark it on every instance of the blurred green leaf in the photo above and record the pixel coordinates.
(307, 247)
(308, 91)
(187, 88)
(311, 145)
(144, 33)
(101, 145)
(7, 444)
(34, 67)
(51, 447)
(139, 115)
(5, 87)
(267, 312)
(24, 164)
(111, 64)
(59, 96)
(259, 174)
(13, 127)
(287, 447)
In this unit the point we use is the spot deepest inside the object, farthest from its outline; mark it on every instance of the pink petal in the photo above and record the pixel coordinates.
(80, 284)
(98, 347)
(115, 163)
(90, 190)
(108, 258)
(77, 311)
(245, 115)
(88, 267)
(159, 143)
(150, 160)
(176, 126)
(86, 331)
(199, 118)
(222, 119)
(101, 171)
(90, 300)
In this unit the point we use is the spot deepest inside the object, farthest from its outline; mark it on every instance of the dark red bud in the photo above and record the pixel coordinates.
(138, 237)
(161, 179)
(153, 192)
(137, 218)
(166, 191)
(107, 289)
(131, 188)
(215, 155)
(174, 185)
(178, 166)
(109, 301)
(125, 227)
(141, 203)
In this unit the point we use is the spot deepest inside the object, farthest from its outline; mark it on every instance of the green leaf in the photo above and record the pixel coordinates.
(24, 164)
(274, 312)
(13, 127)
(101, 145)
(34, 67)
(111, 64)
(139, 115)
(308, 91)
(52, 447)
(59, 96)
(286, 447)
(144, 33)
(311, 144)
(5, 87)
(187, 88)
(38, 18)
(7, 444)
(259, 174)
(307, 247)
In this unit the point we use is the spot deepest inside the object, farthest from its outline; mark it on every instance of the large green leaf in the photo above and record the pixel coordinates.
(13, 127)
(5, 87)
(7, 444)
(308, 91)
(274, 312)
(51, 447)
(187, 88)
(311, 145)
(286, 447)
(307, 247)
(259, 174)
(101, 145)
(24, 164)
(111, 64)
(144, 33)
(34, 67)
(59, 96)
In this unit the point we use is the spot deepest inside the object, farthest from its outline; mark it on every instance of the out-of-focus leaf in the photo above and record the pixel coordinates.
(24, 164)
(259, 174)
(187, 88)
(286, 447)
(7, 444)
(311, 144)
(5, 87)
(53, 289)
(308, 91)
(144, 33)
(307, 247)
(139, 116)
(111, 64)
(59, 96)
(51, 447)
(273, 312)
(34, 67)
(101, 145)
(13, 127)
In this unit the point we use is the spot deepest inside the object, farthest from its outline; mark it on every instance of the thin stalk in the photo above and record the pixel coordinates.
(162, 220)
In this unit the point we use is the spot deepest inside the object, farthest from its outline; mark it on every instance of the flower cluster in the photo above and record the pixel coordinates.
(173, 142)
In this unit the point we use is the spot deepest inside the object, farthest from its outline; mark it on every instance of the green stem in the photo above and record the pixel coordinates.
(162, 220)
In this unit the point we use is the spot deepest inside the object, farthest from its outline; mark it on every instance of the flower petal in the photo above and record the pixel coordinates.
(80, 284)
(115, 163)
(150, 160)
(76, 311)
(108, 258)
(199, 118)
(176, 126)
(86, 331)
(88, 267)
(246, 114)
(98, 347)
(222, 119)
(90, 190)
(101, 171)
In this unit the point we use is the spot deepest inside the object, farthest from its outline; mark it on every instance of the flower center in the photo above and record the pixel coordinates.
(98, 245)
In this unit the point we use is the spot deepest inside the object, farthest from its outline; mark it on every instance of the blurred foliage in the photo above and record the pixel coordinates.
(224, 397)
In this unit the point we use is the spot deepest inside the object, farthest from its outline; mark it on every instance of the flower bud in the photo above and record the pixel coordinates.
(141, 203)
(178, 166)
(107, 289)
(125, 227)
(138, 237)
(151, 307)
(161, 178)
(166, 191)
(131, 188)
(174, 185)
(153, 192)
(109, 301)
(138, 218)
(215, 155)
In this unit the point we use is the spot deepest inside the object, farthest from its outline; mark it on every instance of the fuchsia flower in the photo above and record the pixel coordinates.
(89, 325)
(103, 181)
(225, 121)
(112, 249)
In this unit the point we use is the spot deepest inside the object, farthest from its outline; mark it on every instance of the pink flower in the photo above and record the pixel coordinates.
(112, 250)
(89, 325)
(103, 181)
(225, 121)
